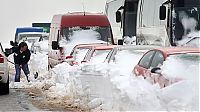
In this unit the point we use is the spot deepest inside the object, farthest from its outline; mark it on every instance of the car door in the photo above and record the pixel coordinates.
(142, 67)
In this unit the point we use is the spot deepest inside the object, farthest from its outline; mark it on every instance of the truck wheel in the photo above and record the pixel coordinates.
(4, 88)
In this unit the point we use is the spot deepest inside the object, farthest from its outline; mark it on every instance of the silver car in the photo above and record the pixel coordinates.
(4, 72)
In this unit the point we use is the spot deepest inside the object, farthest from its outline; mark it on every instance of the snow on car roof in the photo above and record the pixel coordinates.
(137, 47)
(89, 45)
(104, 47)
(179, 50)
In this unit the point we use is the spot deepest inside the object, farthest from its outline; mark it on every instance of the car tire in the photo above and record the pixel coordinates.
(4, 88)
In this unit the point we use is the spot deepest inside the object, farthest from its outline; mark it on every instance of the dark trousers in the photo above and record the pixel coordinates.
(18, 71)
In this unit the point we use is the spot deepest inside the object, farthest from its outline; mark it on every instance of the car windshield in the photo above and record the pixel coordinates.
(80, 53)
(185, 20)
(124, 57)
(90, 33)
(27, 36)
(30, 39)
(44, 38)
(99, 56)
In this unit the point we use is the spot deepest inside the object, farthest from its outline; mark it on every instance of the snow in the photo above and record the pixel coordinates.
(80, 55)
(130, 40)
(112, 86)
(80, 37)
(42, 46)
(187, 62)
(189, 37)
(189, 23)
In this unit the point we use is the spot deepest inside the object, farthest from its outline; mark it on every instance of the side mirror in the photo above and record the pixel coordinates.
(8, 52)
(55, 45)
(83, 62)
(120, 42)
(162, 14)
(118, 16)
(156, 70)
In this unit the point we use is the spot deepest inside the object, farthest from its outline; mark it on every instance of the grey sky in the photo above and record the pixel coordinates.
(20, 13)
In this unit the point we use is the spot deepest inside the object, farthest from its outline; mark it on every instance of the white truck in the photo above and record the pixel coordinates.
(161, 22)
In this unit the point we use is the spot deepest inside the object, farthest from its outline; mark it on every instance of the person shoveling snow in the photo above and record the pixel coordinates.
(21, 58)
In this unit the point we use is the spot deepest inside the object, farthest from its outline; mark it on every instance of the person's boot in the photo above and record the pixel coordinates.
(27, 77)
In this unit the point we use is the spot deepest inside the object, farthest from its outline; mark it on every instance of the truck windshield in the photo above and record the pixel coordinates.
(33, 37)
(186, 18)
(99, 33)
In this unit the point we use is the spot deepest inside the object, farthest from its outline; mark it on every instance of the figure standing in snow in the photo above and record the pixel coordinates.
(21, 57)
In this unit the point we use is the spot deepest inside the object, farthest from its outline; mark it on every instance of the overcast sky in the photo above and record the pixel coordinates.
(20, 13)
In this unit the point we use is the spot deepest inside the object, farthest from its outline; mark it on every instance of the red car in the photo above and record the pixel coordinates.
(150, 63)
(84, 52)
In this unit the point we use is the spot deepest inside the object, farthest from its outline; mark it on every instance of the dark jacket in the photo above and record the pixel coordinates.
(21, 58)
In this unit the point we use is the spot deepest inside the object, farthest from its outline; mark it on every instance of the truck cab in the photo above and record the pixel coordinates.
(160, 22)
(26, 29)
(68, 30)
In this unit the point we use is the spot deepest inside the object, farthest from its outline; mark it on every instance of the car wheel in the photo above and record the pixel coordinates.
(4, 88)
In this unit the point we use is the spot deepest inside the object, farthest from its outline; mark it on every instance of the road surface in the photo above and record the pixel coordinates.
(17, 100)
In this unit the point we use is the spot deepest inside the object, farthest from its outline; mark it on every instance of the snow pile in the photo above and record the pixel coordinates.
(135, 93)
(187, 66)
(126, 60)
(130, 40)
(42, 46)
(183, 95)
(102, 79)
(39, 62)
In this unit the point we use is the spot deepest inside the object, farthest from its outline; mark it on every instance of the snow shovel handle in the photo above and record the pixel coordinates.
(11, 62)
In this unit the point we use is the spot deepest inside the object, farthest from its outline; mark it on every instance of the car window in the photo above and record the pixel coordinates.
(109, 56)
(157, 59)
(80, 53)
(99, 56)
(146, 59)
